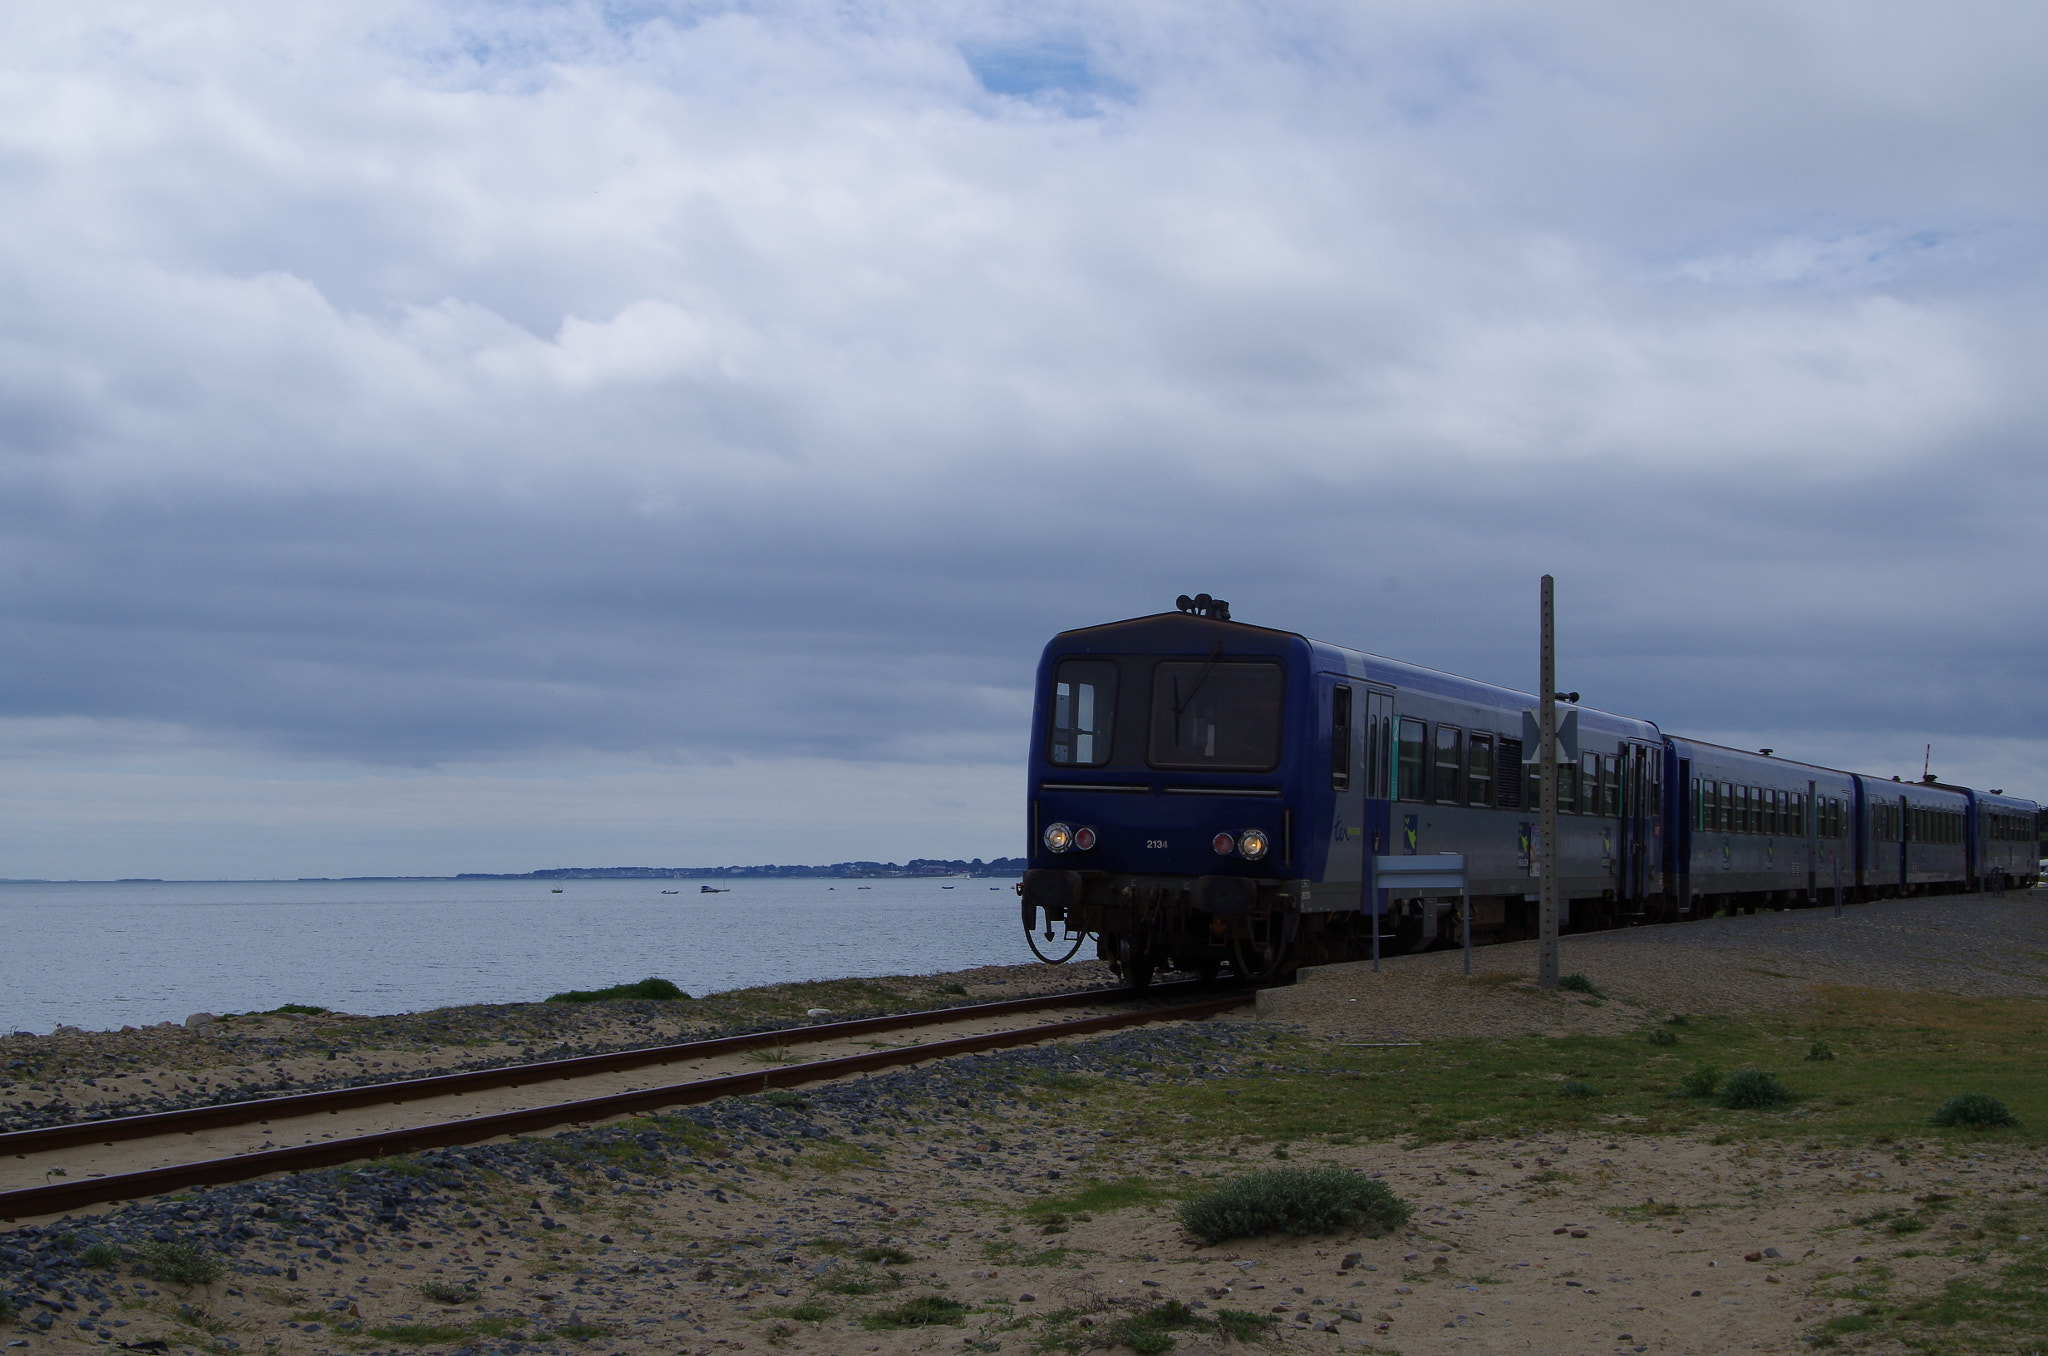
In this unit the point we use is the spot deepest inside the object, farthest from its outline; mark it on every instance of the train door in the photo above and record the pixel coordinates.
(1635, 824)
(1344, 868)
(1905, 847)
(1378, 728)
(1812, 844)
(1679, 829)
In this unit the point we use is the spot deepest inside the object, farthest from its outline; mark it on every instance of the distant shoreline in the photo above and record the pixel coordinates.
(915, 869)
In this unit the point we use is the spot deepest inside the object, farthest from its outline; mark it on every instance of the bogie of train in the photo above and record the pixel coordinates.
(1209, 795)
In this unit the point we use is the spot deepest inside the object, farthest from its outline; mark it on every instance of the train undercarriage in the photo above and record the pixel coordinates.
(1261, 932)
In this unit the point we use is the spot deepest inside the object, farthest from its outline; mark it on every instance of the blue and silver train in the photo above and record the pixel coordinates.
(1208, 795)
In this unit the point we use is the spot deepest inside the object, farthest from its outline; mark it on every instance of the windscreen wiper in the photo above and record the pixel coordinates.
(1180, 703)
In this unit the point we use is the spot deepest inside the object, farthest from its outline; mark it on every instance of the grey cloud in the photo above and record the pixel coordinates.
(486, 384)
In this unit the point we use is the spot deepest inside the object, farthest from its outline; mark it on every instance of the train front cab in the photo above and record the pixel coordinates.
(1170, 799)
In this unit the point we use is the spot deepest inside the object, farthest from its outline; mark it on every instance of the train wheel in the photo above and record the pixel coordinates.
(1135, 958)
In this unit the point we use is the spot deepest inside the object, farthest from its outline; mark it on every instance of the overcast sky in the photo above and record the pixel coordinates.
(441, 437)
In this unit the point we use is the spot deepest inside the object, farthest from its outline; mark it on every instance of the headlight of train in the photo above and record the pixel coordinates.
(1059, 837)
(1253, 844)
(1224, 844)
(1084, 839)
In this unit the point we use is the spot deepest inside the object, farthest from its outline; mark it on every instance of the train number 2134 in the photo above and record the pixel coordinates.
(1155, 842)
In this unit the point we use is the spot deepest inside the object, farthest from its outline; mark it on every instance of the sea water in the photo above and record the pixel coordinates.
(100, 956)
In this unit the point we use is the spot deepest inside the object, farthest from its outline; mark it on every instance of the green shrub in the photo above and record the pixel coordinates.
(1577, 1087)
(1819, 1050)
(1754, 1090)
(1677, 1019)
(960, 989)
(580, 1332)
(1294, 1201)
(1660, 1036)
(183, 1263)
(811, 1311)
(1701, 1082)
(784, 1098)
(922, 1312)
(448, 1292)
(8, 1313)
(100, 1256)
(1151, 1332)
(1244, 1325)
(298, 1010)
(1973, 1109)
(646, 988)
(1579, 984)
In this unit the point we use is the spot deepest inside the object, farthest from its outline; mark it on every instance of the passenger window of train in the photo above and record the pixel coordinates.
(1083, 701)
(1221, 717)
(1698, 808)
(1589, 784)
(1479, 769)
(1610, 786)
(1340, 738)
(1727, 824)
(1773, 811)
(1411, 764)
(1567, 789)
(1450, 764)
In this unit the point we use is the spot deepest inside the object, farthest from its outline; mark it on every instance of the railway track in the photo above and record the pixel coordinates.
(303, 1115)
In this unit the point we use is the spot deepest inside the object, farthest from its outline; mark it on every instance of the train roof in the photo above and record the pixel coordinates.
(1198, 633)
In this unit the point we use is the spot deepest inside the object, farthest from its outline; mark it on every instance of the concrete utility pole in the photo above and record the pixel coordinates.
(1546, 763)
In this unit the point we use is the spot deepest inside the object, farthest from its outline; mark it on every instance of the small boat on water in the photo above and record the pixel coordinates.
(557, 890)
(945, 887)
(714, 890)
(671, 892)
(863, 887)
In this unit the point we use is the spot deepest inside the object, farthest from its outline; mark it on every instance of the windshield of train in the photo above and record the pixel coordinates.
(1216, 715)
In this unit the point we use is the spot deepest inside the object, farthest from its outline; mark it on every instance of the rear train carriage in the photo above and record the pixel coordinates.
(1912, 838)
(1756, 831)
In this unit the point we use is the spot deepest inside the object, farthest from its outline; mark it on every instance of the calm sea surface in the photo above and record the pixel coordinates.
(101, 956)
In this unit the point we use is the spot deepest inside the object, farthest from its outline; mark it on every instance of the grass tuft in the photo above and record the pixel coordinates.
(1294, 1201)
(1577, 1087)
(1818, 1051)
(1701, 1082)
(1973, 1109)
(922, 1312)
(1577, 983)
(183, 1263)
(1659, 1036)
(647, 988)
(100, 1256)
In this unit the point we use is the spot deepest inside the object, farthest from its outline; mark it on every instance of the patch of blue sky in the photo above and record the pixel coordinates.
(1839, 254)
(1050, 72)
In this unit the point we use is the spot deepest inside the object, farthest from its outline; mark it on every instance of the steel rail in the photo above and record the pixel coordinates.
(156, 1123)
(44, 1200)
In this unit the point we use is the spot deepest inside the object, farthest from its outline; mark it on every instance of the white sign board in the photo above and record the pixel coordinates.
(1567, 736)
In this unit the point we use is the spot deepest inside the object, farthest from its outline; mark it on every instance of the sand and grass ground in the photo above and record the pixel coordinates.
(1569, 1194)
